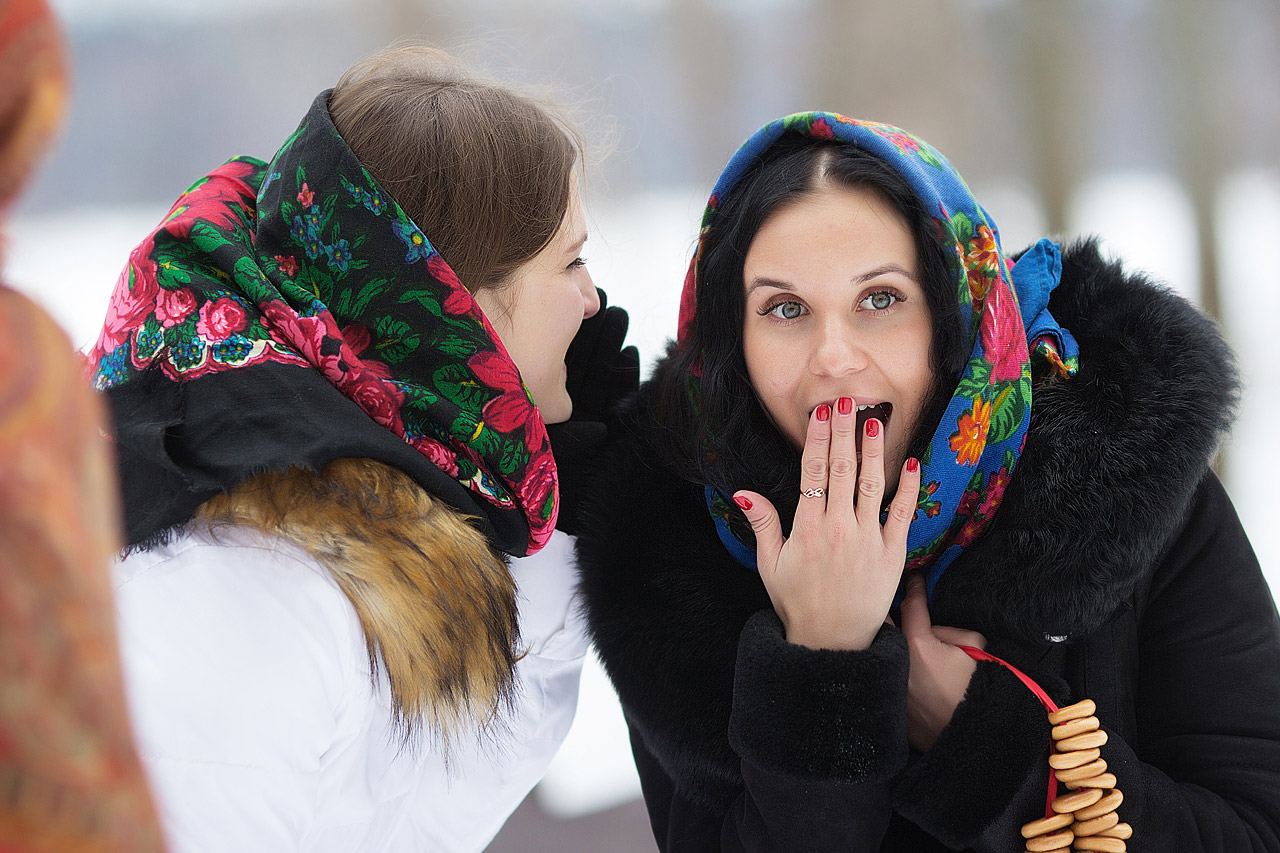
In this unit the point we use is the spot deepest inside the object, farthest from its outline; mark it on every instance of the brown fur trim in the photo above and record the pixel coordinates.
(437, 604)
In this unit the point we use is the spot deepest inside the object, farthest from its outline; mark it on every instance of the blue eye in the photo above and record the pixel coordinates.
(786, 310)
(881, 300)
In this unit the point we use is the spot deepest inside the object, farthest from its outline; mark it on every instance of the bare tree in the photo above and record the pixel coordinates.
(1049, 61)
(1193, 44)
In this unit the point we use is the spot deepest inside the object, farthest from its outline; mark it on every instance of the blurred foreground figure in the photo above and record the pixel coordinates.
(69, 778)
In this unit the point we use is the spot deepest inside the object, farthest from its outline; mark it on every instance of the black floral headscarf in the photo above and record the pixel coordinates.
(304, 278)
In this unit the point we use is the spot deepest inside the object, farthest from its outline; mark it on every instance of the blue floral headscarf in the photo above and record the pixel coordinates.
(1007, 326)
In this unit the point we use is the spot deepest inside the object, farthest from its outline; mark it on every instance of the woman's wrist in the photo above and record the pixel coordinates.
(834, 639)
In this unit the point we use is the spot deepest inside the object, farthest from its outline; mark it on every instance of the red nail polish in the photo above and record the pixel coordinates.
(873, 428)
(824, 413)
(913, 464)
(742, 502)
(845, 405)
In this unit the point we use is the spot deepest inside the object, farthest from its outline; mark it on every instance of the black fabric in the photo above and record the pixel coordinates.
(600, 372)
(1114, 533)
(224, 428)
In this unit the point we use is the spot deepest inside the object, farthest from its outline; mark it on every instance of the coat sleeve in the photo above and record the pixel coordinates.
(1203, 771)
(244, 675)
(819, 735)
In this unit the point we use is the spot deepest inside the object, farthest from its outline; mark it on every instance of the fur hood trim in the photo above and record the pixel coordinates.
(1111, 462)
(436, 603)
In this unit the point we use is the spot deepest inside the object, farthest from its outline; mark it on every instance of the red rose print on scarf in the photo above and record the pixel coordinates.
(357, 338)
(380, 400)
(538, 488)
(458, 302)
(442, 272)
(1003, 339)
(439, 455)
(223, 199)
(219, 320)
(511, 410)
(133, 299)
(288, 265)
(339, 364)
(174, 306)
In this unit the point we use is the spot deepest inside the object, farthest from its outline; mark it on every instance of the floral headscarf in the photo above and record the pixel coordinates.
(1007, 325)
(307, 263)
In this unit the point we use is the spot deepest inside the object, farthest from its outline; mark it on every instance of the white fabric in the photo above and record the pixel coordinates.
(262, 729)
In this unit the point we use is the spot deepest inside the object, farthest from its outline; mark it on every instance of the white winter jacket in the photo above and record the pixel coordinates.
(263, 728)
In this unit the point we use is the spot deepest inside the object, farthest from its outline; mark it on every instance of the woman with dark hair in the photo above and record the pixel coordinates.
(910, 546)
(331, 377)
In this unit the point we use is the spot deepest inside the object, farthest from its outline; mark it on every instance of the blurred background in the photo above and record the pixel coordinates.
(1154, 124)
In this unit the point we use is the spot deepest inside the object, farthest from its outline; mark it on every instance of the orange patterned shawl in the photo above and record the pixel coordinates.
(69, 777)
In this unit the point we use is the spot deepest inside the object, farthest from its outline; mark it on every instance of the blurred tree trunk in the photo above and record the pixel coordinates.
(1052, 73)
(917, 65)
(1192, 46)
(703, 48)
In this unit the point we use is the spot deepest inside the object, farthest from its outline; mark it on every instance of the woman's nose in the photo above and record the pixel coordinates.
(590, 297)
(837, 351)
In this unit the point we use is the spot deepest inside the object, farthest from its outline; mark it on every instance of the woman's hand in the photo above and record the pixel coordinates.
(832, 582)
(940, 672)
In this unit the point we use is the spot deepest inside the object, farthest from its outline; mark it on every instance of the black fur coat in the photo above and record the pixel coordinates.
(1114, 535)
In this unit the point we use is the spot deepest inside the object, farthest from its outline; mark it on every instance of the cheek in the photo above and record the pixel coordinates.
(775, 375)
(915, 383)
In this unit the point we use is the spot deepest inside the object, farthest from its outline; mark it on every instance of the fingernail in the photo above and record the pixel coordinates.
(873, 428)
(845, 405)
(824, 413)
(742, 502)
(913, 464)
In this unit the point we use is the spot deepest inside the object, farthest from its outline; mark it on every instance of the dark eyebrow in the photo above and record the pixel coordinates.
(884, 269)
(768, 282)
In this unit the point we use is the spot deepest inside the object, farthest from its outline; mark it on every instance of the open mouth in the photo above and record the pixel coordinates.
(880, 411)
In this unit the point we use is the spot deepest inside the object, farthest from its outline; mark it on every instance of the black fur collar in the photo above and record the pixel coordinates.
(1110, 464)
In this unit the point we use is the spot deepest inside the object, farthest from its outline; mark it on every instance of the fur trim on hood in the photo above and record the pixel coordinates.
(1111, 462)
(436, 603)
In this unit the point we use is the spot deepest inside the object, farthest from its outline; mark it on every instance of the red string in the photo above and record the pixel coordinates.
(1049, 704)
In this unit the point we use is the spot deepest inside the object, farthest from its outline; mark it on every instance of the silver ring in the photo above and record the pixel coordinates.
(814, 493)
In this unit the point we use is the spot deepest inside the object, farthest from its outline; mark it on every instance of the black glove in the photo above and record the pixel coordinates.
(601, 372)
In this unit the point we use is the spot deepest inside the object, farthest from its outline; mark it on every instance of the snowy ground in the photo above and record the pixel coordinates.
(638, 252)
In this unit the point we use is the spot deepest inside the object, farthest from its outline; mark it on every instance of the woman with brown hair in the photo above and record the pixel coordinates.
(331, 376)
